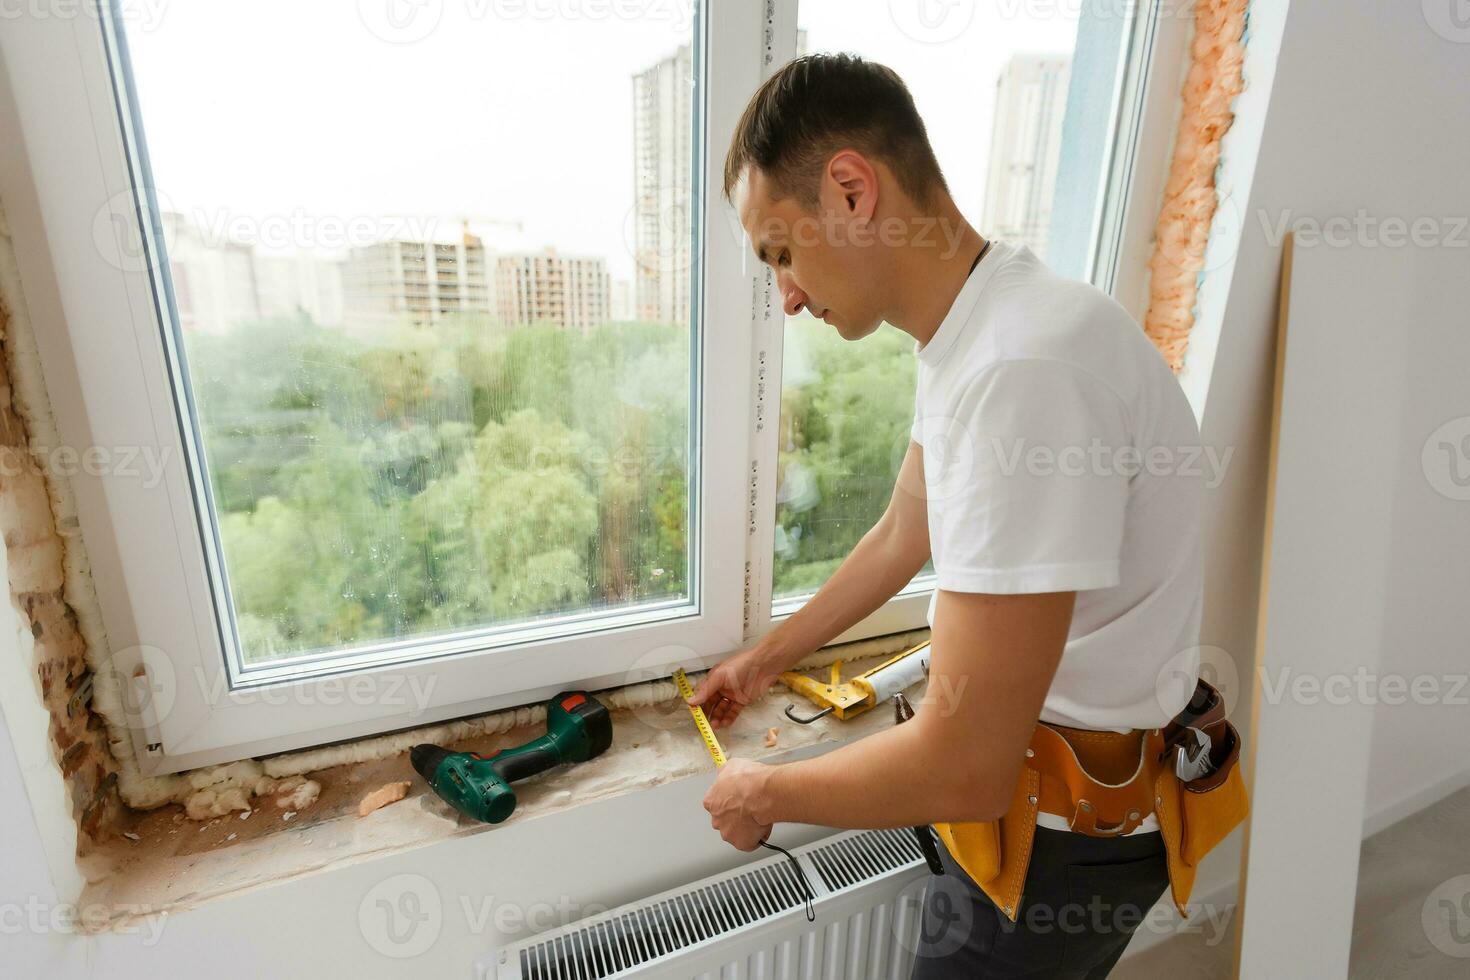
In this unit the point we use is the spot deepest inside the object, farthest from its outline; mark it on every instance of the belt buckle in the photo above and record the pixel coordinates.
(1193, 762)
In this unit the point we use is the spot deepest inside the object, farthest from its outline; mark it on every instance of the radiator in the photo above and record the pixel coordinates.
(751, 922)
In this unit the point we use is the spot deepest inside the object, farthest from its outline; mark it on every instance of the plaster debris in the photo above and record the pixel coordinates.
(382, 796)
(297, 793)
(233, 774)
(208, 803)
(189, 872)
(50, 577)
(771, 736)
(265, 777)
(132, 837)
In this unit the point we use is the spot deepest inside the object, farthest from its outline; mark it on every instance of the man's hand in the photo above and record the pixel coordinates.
(957, 760)
(733, 684)
(884, 561)
(733, 801)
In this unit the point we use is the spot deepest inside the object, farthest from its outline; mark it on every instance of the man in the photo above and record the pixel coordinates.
(1068, 582)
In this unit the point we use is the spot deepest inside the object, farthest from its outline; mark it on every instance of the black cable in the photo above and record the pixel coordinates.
(806, 886)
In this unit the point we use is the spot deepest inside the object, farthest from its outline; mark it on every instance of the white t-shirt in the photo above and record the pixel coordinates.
(1061, 454)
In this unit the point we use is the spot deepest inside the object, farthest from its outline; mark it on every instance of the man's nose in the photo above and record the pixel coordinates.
(793, 298)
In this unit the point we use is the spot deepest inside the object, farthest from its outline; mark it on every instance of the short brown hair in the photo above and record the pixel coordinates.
(820, 103)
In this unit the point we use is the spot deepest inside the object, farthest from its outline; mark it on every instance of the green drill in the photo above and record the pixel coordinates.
(578, 728)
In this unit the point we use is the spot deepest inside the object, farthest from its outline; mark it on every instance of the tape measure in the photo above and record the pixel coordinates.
(718, 754)
(701, 722)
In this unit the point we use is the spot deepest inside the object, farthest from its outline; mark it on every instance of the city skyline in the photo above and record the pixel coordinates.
(419, 281)
(373, 270)
(509, 118)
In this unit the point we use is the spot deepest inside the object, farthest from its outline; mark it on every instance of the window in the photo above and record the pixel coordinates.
(437, 323)
(1014, 97)
(414, 407)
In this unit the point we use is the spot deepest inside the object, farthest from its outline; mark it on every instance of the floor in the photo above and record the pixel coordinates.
(1401, 871)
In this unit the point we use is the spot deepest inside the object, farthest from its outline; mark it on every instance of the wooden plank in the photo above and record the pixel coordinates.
(1329, 492)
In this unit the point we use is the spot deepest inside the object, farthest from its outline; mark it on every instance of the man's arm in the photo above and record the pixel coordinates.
(884, 561)
(992, 661)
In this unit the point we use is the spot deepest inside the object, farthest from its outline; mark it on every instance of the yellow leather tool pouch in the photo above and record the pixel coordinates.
(975, 846)
(1213, 805)
(996, 853)
(1137, 777)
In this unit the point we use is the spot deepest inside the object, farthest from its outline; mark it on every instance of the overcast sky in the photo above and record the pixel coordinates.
(282, 108)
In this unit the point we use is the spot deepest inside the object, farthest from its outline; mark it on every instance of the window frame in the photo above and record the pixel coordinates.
(1143, 119)
(70, 199)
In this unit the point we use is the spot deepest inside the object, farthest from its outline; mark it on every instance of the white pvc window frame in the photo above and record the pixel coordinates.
(69, 186)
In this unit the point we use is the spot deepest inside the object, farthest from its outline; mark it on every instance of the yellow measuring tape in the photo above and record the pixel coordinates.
(718, 754)
(701, 722)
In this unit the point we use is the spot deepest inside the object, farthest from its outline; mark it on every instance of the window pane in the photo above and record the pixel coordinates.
(991, 83)
(430, 278)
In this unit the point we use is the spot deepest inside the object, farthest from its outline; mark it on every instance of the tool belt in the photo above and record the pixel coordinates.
(1105, 783)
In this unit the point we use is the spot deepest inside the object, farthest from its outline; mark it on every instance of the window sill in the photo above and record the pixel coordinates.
(176, 864)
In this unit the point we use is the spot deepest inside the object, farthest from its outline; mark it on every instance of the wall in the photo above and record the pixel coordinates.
(43, 545)
(1385, 131)
(426, 912)
(1367, 110)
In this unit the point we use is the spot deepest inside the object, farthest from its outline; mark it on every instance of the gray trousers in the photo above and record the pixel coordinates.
(1083, 899)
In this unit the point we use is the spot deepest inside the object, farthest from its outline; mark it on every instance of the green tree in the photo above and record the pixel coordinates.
(846, 412)
(508, 534)
(440, 478)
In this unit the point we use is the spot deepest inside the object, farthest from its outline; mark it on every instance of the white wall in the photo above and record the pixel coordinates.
(26, 886)
(451, 902)
(1370, 109)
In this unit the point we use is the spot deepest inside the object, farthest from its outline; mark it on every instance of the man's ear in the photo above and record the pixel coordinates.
(854, 183)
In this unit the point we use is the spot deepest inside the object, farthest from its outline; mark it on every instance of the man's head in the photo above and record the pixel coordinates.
(829, 164)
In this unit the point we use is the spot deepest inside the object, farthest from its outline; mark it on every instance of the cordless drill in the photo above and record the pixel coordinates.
(578, 728)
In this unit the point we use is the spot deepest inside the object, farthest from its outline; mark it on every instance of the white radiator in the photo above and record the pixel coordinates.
(751, 922)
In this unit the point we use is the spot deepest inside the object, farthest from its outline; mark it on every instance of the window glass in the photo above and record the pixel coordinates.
(426, 269)
(991, 83)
